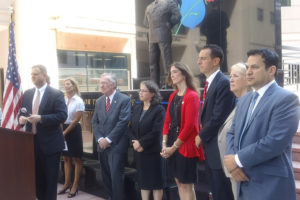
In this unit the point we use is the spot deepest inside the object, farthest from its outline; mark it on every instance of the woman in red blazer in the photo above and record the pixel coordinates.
(180, 129)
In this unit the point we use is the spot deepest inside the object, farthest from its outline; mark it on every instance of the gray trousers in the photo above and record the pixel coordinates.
(112, 170)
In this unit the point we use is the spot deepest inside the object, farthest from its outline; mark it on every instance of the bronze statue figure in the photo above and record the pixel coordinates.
(160, 17)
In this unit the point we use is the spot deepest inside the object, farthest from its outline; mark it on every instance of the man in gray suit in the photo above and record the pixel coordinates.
(110, 125)
(160, 17)
(260, 139)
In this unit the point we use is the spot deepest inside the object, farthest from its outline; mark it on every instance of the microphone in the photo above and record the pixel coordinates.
(24, 112)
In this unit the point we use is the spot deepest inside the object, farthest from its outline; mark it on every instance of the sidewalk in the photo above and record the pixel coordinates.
(80, 196)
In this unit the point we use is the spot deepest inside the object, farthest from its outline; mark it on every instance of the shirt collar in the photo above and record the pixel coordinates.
(112, 96)
(261, 91)
(211, 77)
(42, 89)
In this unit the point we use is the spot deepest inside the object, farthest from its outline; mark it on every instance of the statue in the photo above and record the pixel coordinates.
(160, 17)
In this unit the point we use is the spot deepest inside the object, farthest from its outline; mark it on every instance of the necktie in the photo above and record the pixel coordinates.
(204, 93)
(35, 109)
(249, 113)
(107, 104)
(203, 101)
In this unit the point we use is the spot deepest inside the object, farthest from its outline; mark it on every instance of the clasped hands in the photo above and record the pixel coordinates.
(166, 152)
(32, 119)
(103, 143)
(137, 146)
(236, 172)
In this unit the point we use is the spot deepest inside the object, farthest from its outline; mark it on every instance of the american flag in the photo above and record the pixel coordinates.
(13, 93)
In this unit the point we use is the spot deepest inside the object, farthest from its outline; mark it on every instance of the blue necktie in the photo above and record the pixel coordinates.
(249, 113)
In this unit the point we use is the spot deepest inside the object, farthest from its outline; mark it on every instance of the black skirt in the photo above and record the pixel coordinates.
(149, 170)
(182, 168)
(74, 142)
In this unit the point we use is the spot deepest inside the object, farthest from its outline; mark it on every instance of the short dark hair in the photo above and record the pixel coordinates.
(216, 51)
(153, 88)
(269, 56)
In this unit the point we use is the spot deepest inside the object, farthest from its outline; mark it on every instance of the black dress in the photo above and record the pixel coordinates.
(178, 166)
(148, 131)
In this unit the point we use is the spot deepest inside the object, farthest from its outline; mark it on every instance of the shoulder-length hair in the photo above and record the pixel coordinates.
(153, 88)
(74, 83)
(191, 82)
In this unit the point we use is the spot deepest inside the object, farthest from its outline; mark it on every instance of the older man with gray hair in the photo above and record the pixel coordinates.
(110, 125)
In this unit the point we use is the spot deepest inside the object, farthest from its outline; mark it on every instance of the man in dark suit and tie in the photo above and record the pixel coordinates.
(110, 127)
(260, 139)
(218, 103)
(45, 111)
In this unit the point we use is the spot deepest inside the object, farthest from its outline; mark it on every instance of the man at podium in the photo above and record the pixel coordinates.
(43, 109)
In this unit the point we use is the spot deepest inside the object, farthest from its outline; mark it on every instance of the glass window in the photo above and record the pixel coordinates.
(260, 14)
(86, 68)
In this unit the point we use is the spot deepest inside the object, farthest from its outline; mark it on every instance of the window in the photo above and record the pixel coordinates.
(272, 18)
(260, 14)
(285, 3)
(86, 68)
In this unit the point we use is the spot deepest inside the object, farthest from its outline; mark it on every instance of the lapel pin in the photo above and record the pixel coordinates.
(115, 101)
(183, 102)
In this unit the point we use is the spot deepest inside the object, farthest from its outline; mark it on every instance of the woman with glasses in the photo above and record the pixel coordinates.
(180, 129)
(145, 131)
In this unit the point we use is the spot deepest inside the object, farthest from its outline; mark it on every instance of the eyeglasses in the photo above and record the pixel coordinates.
(143, 91)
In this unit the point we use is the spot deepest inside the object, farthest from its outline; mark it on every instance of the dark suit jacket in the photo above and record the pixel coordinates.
(160, 17)
(266, 145)
(148, 131)
(114, 123)
(219, 103)
(53, 111)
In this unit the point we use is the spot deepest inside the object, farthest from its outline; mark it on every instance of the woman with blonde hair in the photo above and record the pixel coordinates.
(180, 129)
(238, 85)
(73, 136)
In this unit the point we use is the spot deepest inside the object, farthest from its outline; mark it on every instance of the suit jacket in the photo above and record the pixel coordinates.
(222, 139)
(265, 149)
(160, 17)
(148, 130)
(219, 102)
(114, 123)
(53, 111)
(189, 128)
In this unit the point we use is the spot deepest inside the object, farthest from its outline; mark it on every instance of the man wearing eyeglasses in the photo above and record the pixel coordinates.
(110, 126)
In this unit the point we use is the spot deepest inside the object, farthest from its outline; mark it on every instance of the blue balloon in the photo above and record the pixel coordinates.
(192, 12)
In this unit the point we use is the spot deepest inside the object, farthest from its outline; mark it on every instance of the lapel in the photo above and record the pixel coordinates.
(31, 94)
(146, 113)
(112, 105)
(262, 102)
(259, 108)
(44, 100)
(211, 90)
(242, 115)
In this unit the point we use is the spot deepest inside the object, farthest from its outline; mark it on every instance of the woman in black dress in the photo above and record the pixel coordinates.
(181, 126)
(73, 137)
(145, 130)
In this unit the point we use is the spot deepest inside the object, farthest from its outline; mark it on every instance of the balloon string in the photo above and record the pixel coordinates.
(187, 14)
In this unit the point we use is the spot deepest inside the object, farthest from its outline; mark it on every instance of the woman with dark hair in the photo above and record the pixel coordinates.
(180, 129)
(145, 131)
(73, 136)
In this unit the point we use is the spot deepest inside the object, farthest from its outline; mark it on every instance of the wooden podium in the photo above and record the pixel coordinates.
(17, 177)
